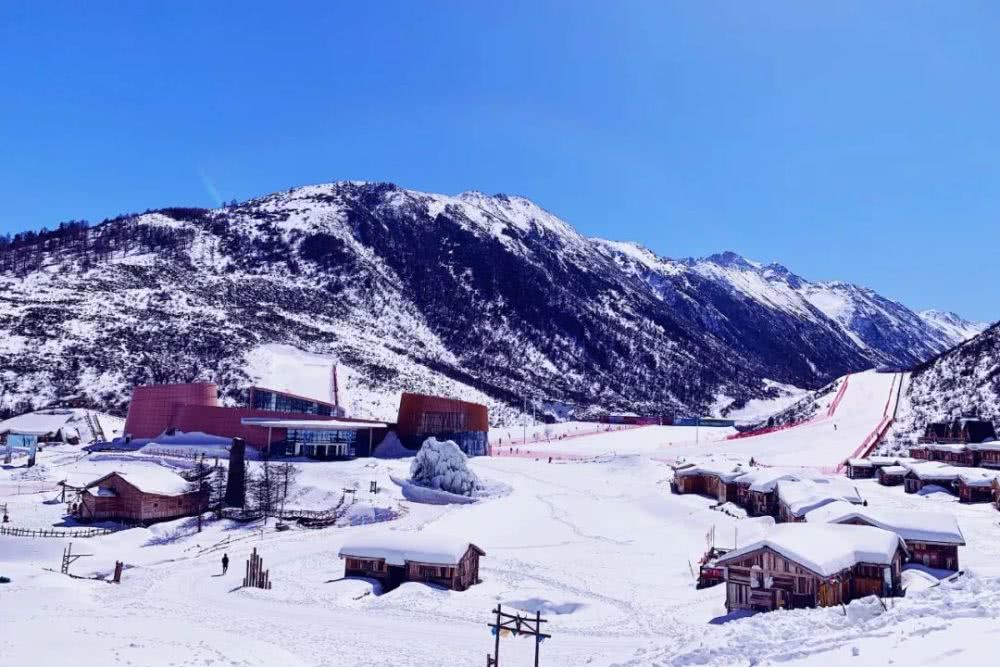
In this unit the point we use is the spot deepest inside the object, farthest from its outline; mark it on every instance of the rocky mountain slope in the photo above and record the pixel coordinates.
(489, 298)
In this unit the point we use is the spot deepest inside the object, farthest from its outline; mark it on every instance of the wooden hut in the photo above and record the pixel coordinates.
(796, 498)
(143, 496)
(397, 558)
(932, 538)
(928, 473)
(987, 454)
(715, 479)
(975, 485)
(891, 475)
(804, 565)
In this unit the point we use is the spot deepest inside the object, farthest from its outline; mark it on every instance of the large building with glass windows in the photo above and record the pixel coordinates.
(274, 421)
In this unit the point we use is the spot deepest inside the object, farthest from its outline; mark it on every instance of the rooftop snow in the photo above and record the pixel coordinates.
(804, 496)
(826, 549)
(156, 480)
(910, 525)
(36, 423)
(398, 548)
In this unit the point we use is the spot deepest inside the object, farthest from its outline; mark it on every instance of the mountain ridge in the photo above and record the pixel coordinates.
(487, 297)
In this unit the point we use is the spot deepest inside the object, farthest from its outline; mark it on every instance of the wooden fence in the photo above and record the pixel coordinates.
(51, 532)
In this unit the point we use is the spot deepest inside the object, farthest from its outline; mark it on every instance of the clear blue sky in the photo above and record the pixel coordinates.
(847, 140)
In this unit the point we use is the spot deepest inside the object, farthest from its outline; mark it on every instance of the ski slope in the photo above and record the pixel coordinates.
(824, 442)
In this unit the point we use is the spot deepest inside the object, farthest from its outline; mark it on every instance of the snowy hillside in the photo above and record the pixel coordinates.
(487, 298)
(964, 381)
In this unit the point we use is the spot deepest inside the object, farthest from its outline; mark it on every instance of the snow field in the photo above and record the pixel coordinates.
(600, 546)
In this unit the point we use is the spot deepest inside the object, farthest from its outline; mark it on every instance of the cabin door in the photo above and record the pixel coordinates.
(826, 595)
(397, 575)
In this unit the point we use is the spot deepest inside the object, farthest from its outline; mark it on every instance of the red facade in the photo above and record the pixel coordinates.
(195, 407)
(419, 414)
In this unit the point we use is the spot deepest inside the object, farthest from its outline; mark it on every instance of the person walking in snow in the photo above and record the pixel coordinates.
(225, 563)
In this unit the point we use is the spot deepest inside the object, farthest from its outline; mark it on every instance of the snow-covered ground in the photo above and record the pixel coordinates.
(599, 545)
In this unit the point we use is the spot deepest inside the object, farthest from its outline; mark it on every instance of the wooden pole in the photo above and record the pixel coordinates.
(538, 628)
(496, 645)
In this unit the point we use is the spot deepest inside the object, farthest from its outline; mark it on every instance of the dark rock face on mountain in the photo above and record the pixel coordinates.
(488, 298)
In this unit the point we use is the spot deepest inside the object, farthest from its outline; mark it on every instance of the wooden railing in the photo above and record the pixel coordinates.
(51, 532)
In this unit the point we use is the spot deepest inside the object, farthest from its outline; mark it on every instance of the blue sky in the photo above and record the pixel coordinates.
(848, 140)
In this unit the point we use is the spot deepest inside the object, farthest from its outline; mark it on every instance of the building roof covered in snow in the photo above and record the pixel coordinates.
(725, 469)
(977, 476)
(825, 549)
(155, 480)
(894, 470)
(802, 496)
(398, 548)
(880, 461)
(934, 470)
(766, 479)
(912, 526)
(37, 423)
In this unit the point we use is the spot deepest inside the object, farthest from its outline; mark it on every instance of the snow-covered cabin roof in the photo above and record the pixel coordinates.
(36, 423)
(954, 448)
(894, 470)
(725, 469)
(934, 470)
(916, 526)
(766, 479)
(155, 480)
(803, 496)
(880, 461)
(398, 548)
(989, 446)
(826, 549)
(977, 476)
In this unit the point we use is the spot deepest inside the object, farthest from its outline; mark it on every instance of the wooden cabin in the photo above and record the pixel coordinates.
(859, 469)
(930, 473)
(891, 475)
(932, 538)
(975, 485)
(142, 496)
(987, 454)
(715, 479)
(796, 498)
(395, 559)
(804, 565)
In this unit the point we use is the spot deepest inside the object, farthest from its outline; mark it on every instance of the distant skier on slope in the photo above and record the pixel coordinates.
(225, 563)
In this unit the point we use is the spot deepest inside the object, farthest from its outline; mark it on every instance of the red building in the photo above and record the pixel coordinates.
(422, 416)
(159, 409)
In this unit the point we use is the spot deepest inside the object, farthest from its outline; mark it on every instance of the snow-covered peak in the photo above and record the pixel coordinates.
(952, 325)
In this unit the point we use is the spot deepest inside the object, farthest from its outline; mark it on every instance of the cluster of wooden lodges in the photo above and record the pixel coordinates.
(804, 565)
(787, 495)
(932, 538)
(973, 454)
(393, 559)
(971, 485)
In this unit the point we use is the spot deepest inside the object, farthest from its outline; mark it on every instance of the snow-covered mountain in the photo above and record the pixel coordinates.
(489, 298)
(952, 326)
